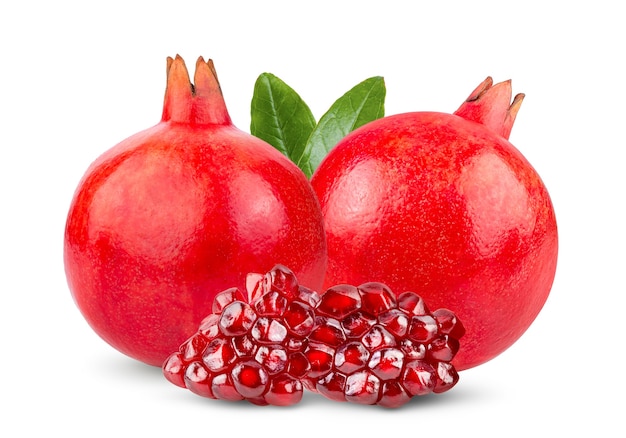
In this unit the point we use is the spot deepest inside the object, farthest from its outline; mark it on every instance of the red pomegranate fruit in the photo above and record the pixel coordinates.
(444, 205)
(175, 214)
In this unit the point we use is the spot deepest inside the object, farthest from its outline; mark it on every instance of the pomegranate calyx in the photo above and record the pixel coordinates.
(491, 106)
(200, 103)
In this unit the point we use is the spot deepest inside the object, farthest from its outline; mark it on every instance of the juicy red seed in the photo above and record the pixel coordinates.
(223, 388)
(413, 350)
(243, 346)
(298, 365)
(193, 347)
(357, 324)
(174, 369)
(328, 331)
(299, 318)
(320, 358)
(236, 319)
(448, 323)
(376, 298)
(423, 328)
(198, 380)
(218, 355)
(268, 331)
(419, 378)
(209, 327)
(308, 296)
(387, 363)
(284, 391)
(255, 286)
(271, 303)
(273, 359)
(250, 379)
(295, 344)
(351, 357)
(396, 321)
(378, 337)
(393, 395)
(447, 377)
(362, 387)
(282, 279)
(412, 303)
(339, 301)
(332, 386)
(443, 349)
(226, 297)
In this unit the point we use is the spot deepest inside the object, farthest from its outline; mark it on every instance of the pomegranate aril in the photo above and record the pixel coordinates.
(447, 377)
(423, 328)
(387, 363)
(357, 324)
(419, 378)
(412, 304)
(413, 350)
(443, 348)
(351, 357)
(362, 387)
(376, 298)
(223, 388)
(250, 379)
(378, 337)
(284, 391)
(393, 395)
(271, 303)
(321, 358)
(327, 331)
(198, 380)
(298, 365)
(448, 323)
(339, 301)
(193, 347)
(218, 355)
(396, 321)
(236, 319)
(273, 359)
(226, 297)
(174, 369)
(268, 331)
(209, 327)
(332, 386)
(299, 319)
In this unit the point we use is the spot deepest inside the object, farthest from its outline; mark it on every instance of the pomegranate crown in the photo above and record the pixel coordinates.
(200, 103)
(491, 106)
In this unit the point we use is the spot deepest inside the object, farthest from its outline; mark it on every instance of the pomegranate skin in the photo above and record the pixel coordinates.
(173, 215)
(445, 207)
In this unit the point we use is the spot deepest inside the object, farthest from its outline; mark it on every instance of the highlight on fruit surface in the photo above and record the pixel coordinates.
(169, 217)
(443, 204)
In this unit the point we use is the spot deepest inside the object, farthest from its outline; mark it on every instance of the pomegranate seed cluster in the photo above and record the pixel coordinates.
(352, 344)
(250, 349)
(371, 347)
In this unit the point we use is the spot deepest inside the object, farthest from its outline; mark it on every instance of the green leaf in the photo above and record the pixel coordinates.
(280, 117)
(362, 104)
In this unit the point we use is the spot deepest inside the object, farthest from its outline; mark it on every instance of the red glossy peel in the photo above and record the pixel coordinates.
(174, 214)
(445, 206)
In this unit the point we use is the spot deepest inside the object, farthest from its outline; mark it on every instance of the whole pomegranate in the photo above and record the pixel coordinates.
(173, 215)
(445, 206)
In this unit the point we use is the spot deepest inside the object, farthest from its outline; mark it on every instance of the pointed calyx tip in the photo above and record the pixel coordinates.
(200, 103)
(491, 106)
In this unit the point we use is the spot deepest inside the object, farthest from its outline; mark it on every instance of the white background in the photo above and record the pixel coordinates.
(78, 77)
